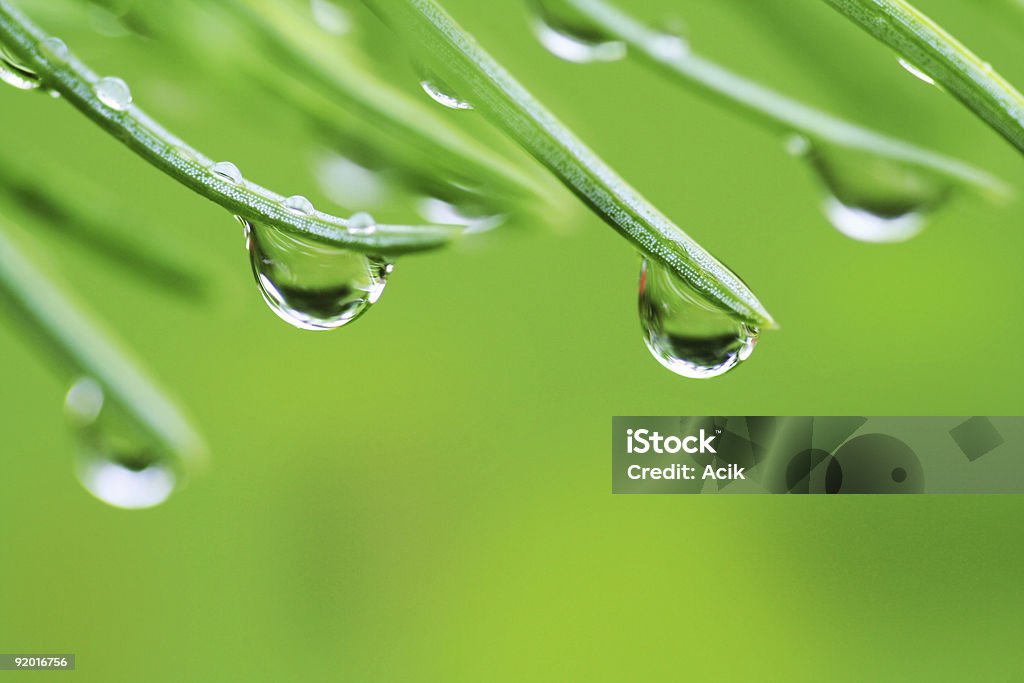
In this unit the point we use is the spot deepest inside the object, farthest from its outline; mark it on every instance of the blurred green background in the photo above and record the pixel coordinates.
(426, 495)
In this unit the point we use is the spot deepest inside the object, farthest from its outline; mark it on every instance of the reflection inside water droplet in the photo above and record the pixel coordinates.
(310, 285)
(114, 461)
(685, 332)
(873, 199)
(568, 35)
(15, 74)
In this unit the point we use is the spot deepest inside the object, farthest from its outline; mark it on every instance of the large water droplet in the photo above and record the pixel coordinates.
(440, 91)
(567, 34)
(311, 285)
(227, 171)
(330, 17)
(55, 50)
(685, 332)
(873, 199)
(114, 93)
(14, 73)
(114, 461)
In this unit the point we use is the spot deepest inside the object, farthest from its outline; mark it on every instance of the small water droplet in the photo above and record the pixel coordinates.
(873, 199)
(55, 50)
(227, 171)
(671, 42)
(310, 285)
(114, 462)
(299, 205)
(797, 145)
(685, 332)
(14, 73)
(114, 93)
(916, 72)
(362, 223)
(330, 17)
(83, 402)
(439, 91)
(566, 34)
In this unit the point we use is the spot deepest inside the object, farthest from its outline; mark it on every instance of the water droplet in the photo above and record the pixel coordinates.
(55, 50)
(330, 17)
(797, 145)
(311, 285)
(362, 223)
(83, 402)
(568, 35)
(671, 42)
(916, 72)
(873, 199)
(14, 73)
(442, 212)
(866, 226)
(439, 91)
(227, 171)
(350, 183)
(685, 332)
(114, 93)
(114, 462)
(299, 205)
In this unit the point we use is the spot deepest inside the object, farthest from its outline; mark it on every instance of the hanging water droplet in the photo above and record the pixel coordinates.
(916, 72)
(16, 74)
(476, 219)
(330, 17)
(114, 462)
(311, 285)
(866, 226)
(362, 223)
(55, 50)
(114, 93)
(685, 332)
(567, 34)
(873, 199)
(439, 91)
(299, 205)
(227, 171)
